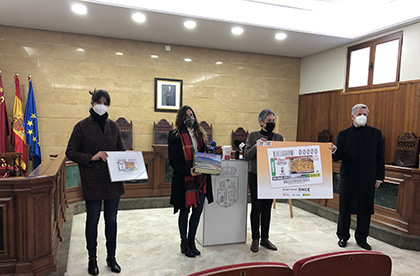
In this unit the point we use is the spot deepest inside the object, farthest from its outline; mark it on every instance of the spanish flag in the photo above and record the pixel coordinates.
(18, 126)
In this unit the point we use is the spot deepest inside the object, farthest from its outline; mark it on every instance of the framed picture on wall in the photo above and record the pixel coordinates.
(168, 95)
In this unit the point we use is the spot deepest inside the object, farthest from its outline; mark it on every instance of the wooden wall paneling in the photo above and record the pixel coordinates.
(74, 194)
(347, 101)
(302, 117)
(416, 88)
(334, 114)
(161, 188)
(394, 112)
(315, 116)
(322, 115)
(381, 112)
(409, 108)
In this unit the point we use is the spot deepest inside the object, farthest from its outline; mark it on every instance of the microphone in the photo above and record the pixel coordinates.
(212, 146)
(240, 145)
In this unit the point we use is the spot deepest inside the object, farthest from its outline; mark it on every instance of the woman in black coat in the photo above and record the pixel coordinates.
(90, 140)
(188, 187)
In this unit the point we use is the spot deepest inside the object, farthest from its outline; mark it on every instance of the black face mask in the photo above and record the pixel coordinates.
(270, 127)
(189, 122)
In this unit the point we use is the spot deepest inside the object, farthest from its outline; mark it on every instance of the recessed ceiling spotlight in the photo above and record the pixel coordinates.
(119, 54)
(189, 24)
(138, 17)
(154, 56)
(280, 36)
(79, 9)
(219, 62)
(80, 49)
(187, 59)
(237, 30)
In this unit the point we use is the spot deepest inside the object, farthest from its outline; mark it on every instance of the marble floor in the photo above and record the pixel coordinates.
(148, 244)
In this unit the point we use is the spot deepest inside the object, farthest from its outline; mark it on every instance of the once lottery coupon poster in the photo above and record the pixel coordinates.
(293, 166)
(294, 170)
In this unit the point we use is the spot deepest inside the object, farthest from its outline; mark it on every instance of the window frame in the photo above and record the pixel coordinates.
(372, 48)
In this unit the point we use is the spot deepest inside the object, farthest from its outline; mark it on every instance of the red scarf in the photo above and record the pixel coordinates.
(197, 184)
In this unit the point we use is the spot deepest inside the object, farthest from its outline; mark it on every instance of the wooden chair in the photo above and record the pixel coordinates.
(126, 131)
(324, 136)
(248, 269)
(347, 263)
(239, 134)
(407, 151)
(161, 131)
(209, 131)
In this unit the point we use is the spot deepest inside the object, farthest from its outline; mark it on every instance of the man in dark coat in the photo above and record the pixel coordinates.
(360, 149)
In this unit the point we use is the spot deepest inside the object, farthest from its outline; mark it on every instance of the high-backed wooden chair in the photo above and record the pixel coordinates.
(209, 131)
(407, 150)
(324, 136)
(161, 131)
(347, 263)
(239, 134)
(248, 269)
(126, 131)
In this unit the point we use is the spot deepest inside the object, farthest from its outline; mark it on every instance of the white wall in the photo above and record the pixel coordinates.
(327, 70)
(410, 60)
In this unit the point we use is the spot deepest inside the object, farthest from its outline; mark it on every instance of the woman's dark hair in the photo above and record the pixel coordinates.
(179, 122)
(98, 94)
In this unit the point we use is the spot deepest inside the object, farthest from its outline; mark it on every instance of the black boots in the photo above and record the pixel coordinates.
(93, 267)
(191, 243)
(185, 248)
(112, 263)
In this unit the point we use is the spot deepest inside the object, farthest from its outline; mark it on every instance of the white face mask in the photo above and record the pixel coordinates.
(360, 120)
(100, 109)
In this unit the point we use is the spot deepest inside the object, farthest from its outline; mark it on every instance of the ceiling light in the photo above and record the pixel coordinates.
(280, 36)
(187, 59)
(80, 49)
(219, 62)
(138, 17)
(237, 30)
(79, 9)
(119, 54)
(154, 56)
(190, 24)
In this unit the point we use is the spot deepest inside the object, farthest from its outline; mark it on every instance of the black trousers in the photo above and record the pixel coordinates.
(183, 223)
(260, 210)
(362, 228)
(93, 211)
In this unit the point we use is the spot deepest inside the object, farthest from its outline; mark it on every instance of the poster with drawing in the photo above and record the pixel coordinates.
(126, 165)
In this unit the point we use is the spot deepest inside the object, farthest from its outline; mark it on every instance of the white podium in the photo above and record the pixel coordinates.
(224, 220)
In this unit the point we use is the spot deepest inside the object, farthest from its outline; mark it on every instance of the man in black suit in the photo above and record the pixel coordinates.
(360, 149)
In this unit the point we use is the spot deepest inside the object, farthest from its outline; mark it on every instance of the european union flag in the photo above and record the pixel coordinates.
(31, 128)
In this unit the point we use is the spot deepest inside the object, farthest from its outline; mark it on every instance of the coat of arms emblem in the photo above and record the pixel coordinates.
(227, 187)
